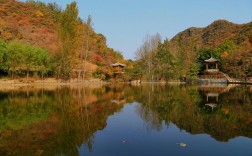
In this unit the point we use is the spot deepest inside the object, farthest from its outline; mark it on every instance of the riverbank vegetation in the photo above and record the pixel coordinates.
(22, 59)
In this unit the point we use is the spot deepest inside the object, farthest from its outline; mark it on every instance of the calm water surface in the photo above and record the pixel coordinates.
(123, 120)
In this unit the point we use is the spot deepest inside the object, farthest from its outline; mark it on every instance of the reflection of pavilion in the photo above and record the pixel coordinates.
(212, 93)
(216, 88)
(118, 102)
(118, 95)
(212, 100)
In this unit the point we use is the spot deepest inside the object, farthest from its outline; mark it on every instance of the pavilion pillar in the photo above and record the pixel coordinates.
(216, 65)
(79, 74)
(206, 66)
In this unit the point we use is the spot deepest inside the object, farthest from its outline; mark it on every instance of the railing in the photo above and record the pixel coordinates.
(221, 75)
(228, 78)
(212, 70)
(212, 76)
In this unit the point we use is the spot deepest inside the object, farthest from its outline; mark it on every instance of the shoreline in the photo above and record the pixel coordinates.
(46, 80)
(48, 83)
(52, 83)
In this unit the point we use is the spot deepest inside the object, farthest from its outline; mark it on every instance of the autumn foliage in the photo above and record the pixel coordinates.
(42, 25)
(183, 56)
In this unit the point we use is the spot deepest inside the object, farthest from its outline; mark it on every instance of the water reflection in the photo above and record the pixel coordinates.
(53, 122)
(58, 121)
(222, 112)
(212, 93)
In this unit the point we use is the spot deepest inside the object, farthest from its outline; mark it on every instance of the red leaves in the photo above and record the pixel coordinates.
(99, 58)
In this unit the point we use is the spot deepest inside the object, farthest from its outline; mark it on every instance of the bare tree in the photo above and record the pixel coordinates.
(89, 26)
(147, 51)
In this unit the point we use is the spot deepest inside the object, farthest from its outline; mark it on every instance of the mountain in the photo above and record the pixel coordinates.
(230, 42)
(28, 23)
(215, 33)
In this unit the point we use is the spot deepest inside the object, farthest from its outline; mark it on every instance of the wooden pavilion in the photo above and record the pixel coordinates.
(212, 61)
(118, 69)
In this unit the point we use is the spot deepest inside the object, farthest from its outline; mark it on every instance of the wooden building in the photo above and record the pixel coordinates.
(118, 70)
(213, 63)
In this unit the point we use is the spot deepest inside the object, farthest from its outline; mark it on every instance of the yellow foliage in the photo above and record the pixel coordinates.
(7, 36)
(39, 14)
(225, 110)
(224, 54)
(130, 66)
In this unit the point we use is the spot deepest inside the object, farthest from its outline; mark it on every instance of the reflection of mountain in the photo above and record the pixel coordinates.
(183, 106)
(59, 121)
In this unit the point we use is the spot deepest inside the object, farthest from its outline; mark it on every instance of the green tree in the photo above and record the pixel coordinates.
(165, 61)
(134, 70)
(186, 54)
(181, 55)
(29, 58)
(69, 27)
(43, 61)
(68, 34)
(56, 10)
(193, 71)
(15, 57)
(3, 53)
(227, 46)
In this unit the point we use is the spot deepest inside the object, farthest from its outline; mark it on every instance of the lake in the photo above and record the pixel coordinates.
(124, 120)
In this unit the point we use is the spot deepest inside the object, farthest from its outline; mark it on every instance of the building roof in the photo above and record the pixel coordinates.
(211, 60)
(118, 64)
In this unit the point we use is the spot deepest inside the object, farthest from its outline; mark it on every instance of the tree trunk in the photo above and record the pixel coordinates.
(27, 75)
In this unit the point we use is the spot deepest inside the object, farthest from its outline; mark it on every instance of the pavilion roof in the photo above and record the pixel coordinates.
(118, 64)
(211, 60)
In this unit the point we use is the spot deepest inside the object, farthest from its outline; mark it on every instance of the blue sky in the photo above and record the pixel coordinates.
(125, 23)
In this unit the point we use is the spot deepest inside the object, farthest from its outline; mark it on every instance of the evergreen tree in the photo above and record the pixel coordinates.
(165, 61)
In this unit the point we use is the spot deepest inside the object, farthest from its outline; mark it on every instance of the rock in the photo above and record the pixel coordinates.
(182, 144)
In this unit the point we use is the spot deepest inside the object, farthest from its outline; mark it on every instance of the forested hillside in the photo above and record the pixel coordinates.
(39, 39)
(68, 40)
(184, 54)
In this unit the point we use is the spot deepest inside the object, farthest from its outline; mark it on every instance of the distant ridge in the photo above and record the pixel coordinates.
(216, 32)
(238, 61)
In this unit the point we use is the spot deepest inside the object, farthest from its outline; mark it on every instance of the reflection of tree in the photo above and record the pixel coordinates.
(57, 122)
(19, 109)
(166, 102)
(184, 107)
(73, 115)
